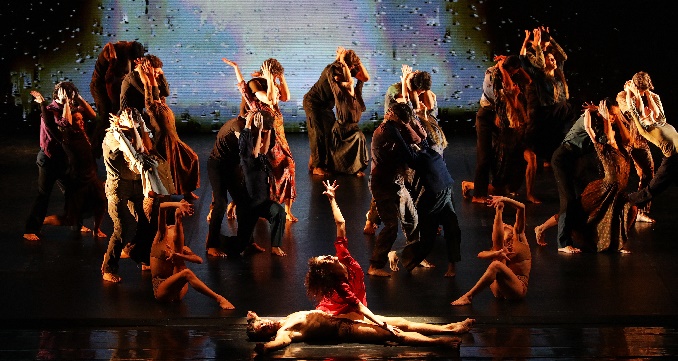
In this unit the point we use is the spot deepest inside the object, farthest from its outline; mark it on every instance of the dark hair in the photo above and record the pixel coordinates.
(321, 279)
(421, 80)
(512, 62)
(402, 111)
(276, 67)
(154, 60)
(262, 334)
(351, 58)
(642, 81)
(611, 102)
(136, 50)
(70, 88)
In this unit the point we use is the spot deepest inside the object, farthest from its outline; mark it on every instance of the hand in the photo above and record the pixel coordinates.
(537, 37)
(330, 189)
(504, 255)
(258, 120)
(590, 107)
(500, 58)
(407, 70)
(497, 202)
(527, 36)
(185, 208)
(340, 53)
(38, 97)
(62, 98)
(229, 62)
(171, 255)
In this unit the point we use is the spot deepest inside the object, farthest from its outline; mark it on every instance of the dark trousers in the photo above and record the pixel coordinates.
(218, 175)
(666, 174)
(434, 209)
(563, 163)
(485, 127)
(319, 123)
(642, 159)
(49, 171)
(272, 211)
(126, 208)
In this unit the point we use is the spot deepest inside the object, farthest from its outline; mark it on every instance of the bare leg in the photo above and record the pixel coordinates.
(530, 173)
(427, 328)
(370, 333)
(539, 230)
(172, 287)
(230, 211)
(373, 271)
(96, 230)
(288, 209)
(510, 285)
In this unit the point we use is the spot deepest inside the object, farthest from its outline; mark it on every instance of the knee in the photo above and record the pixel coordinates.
(495, 267)
(187, 274)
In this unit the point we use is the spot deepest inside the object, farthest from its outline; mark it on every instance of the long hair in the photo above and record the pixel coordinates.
(321, 278)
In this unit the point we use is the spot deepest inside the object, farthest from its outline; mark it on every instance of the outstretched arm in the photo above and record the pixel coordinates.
(330, 190)
(238, 74)
(282, 339)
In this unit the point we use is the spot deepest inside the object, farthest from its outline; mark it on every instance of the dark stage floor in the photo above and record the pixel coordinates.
(55, 305)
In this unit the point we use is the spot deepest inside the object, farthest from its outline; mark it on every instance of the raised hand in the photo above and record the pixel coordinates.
(340, 53)
(230, 62)
(185, 208)
(258, 120)
(330, 189)
(497, 202)
(590, 106)
(38, 97)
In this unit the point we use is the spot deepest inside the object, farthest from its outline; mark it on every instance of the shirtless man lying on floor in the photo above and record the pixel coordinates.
(321, 327)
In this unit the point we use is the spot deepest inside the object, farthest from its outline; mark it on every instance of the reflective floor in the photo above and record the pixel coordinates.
(55, 306)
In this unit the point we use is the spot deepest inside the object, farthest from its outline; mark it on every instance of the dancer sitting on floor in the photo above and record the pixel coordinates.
(171, 277)
(316, 326)
(509, 272)
(338, 284)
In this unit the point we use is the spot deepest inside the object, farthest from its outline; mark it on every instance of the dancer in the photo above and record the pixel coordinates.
(133, 93)
(262, 93)
(435, 205)
(181, 160)
(315, 326)
(169, 255)
(112, 65)
(639, 148)
(84, 192)
(337, 283)
(348, 147)
(508, 274)
(318, 103)
(256, 170)
(127, 164)
(51, 160)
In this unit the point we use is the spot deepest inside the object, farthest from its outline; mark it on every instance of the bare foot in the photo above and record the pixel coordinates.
(393, 261)
(478, 200)
(278, 251)
(111, 277)
(320, 172)
(643, 217)
(533, 199)
(230, 211)
(145, 267)
(359, 174)
(215, 252)
(451, 270)
(85, 229)
(52, 220)
(291, 218)
(460, 327)
(466, 188)
(539, 234)
(190, 196)
(461, 301)
(31, 237)
(426, 264)
(449, 342)
(370, 228)
(623, 251)
(569, 249)
(224, 304)
(124, 253)
(99, 234)
(372, 271)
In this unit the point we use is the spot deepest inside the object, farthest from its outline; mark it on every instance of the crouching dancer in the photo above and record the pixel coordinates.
(171, 277)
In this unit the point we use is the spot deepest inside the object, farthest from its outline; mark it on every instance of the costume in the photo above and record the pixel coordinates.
(348, 148)
(283, 184)
(181, 159)
(347, 295)
(51, 160)
(123, 186)
(610, 215)
(318, 106)
(256, 202)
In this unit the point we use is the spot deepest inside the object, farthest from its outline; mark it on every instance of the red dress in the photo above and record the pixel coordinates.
(346, 297)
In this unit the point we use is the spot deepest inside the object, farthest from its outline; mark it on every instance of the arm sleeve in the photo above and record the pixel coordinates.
(245, 143)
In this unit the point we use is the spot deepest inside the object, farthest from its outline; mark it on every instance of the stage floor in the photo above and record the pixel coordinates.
(55, 305)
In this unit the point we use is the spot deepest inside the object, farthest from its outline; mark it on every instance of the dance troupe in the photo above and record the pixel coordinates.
(151, 176)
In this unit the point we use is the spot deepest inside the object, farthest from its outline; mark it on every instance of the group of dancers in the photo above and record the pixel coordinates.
(523, 109)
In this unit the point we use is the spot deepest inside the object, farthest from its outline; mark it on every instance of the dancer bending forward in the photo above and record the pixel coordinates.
(509, 272)
(171, 277)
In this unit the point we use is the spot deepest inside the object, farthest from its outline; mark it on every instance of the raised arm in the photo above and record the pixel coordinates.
(330, 191)
(238, 74)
